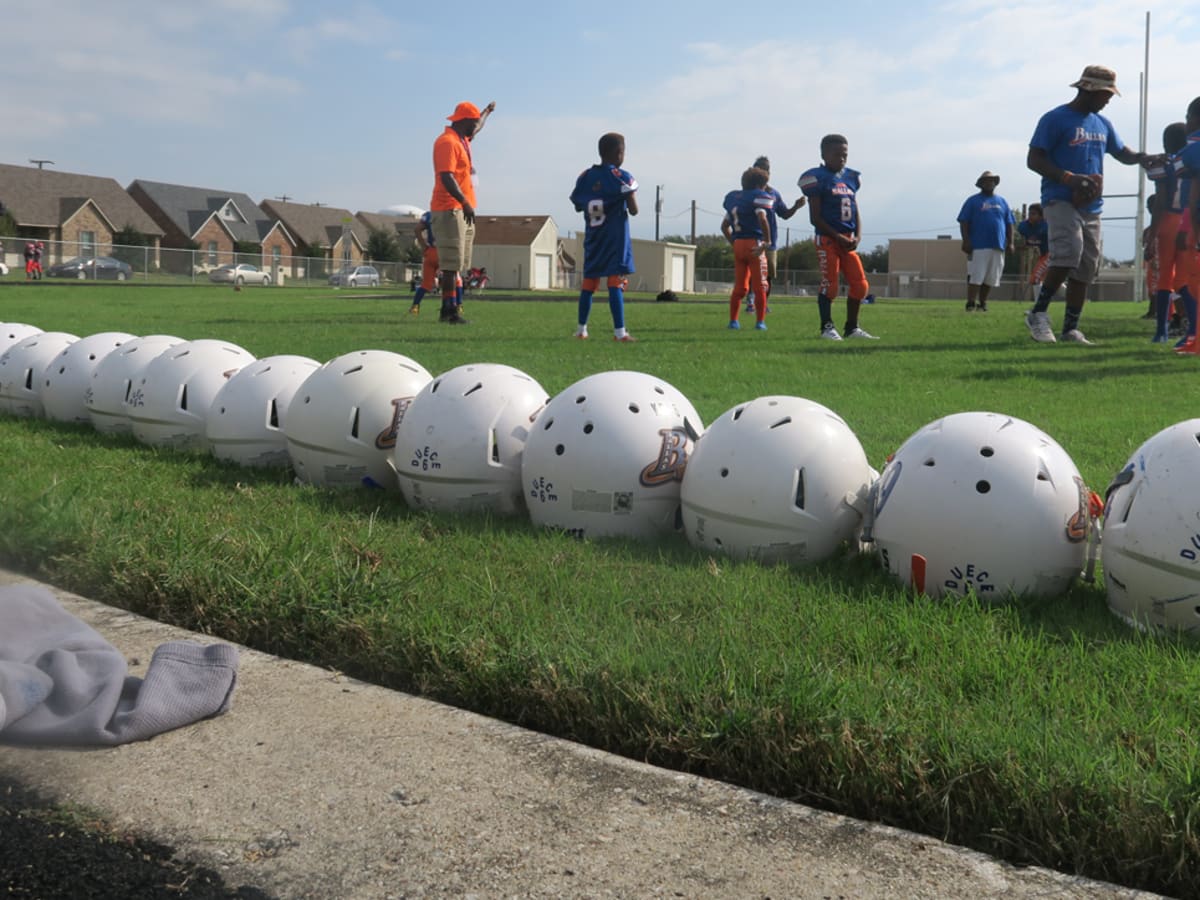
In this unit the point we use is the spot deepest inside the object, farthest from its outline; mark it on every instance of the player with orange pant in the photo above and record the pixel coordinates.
(1187, 259)
(747, 226)
(832, 192)
(1165, 215)
(430, 265)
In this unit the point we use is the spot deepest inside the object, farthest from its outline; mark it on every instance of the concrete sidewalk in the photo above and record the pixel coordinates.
(317, 785)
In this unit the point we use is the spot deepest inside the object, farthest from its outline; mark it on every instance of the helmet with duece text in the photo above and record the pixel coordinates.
(985, 503)
(459, 443)
(168, 405)
(1151, 534)
(778, 479)
(341, 426)
(68, 376)
(112, 381)
(606, 457)
(246, 421)
(21, 370)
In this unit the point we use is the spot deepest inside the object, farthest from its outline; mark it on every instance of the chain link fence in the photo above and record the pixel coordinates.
(151, 265)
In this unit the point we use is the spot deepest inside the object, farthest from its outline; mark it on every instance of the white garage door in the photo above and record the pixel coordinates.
(678, 271)
(541, 271)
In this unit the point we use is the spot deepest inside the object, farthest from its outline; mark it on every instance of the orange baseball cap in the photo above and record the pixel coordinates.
(464, 110)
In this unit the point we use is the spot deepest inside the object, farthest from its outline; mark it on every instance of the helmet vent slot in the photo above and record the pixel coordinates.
(352, 370)
(273, 419)
(800, 490)
(128, 389)
(724, 471)
(559, 450)
(549, 422)
(354, 424)
(659, 390)
(433, 387)
(982, 486)
(634, 408)
(495, 446)
(478, 387)
(183, 398)
(784, 421)
(29, 379)
(582, 398)
(1129, 506)
(987, 452)
(931, 462)
(737, 413)
(589, 428)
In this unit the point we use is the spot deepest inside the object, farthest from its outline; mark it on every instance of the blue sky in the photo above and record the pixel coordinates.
(340, 103)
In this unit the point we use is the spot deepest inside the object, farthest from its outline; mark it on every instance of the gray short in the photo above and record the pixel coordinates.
(455, 239)
(1075, 241)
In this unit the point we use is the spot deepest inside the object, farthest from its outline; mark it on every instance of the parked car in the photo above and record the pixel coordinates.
(242, 273)
(356, 276)
(3, 269)
(92, 267)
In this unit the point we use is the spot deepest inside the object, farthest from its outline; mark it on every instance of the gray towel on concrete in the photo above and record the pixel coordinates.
(62, 683)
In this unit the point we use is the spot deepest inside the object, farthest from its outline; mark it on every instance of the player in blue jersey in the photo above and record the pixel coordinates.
(746, 225)
(832, 192)
(606, 195)
(429, 264)
(1161, 236)
(1036, 234)
(1067, 150)
(1187, 263)
(778, 210)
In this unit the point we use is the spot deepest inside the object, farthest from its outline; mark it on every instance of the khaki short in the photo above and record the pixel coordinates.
(771, 254)
(1075, 241)
(454, 238)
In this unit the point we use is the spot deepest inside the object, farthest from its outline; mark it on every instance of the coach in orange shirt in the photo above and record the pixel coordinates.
(452, 206)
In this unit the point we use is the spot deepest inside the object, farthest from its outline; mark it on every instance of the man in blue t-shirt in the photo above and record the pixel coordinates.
(986, 224)
(1067, 150)
(607, 196)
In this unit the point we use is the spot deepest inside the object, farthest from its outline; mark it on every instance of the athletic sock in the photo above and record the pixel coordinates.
(1162, 310)
(825, 309)
(1070, 319)
(616, 305)
(585, 307)
(1189, 307)
(1042, 303)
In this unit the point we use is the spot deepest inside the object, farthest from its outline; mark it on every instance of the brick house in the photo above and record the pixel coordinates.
(208, 225)
(322, 231)
(75, 215)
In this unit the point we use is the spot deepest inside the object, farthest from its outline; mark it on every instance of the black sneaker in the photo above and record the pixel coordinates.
(454, 319)
(970, 306)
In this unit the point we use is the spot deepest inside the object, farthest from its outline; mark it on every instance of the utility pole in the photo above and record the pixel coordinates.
(284, 197)
(658, 189)
(693, 221)
(40, 163)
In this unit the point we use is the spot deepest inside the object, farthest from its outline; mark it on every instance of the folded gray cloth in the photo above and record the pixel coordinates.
(62, 683)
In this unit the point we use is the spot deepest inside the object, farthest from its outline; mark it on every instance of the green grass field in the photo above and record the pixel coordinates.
(1042, 731)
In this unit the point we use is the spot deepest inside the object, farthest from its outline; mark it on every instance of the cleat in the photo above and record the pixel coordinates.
(861, 335)
(1188, 347)
(415, 309)
(1075, 336)
(734, 325)
(760, 326)
(581, 336)
(1038, 324)
(454, 319)
(625, 339)
(970, 307)
(830, 333)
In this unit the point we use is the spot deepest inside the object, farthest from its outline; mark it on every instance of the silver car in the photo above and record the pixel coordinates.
(242, 273)
(356, 276)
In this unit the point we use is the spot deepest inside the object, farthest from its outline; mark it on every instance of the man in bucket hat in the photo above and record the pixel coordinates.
(1067, 150)
(452, 207)
(986, 223)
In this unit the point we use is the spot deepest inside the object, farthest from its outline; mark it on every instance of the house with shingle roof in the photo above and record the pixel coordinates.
(519, 252)
(75, 215)
(214, 224)
(322, 231)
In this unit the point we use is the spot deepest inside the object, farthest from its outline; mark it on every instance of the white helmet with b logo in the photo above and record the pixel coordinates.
(607, 455)
(778, 479)
(459, 443)
(1151, 536)
(341, 425)
(982, 502)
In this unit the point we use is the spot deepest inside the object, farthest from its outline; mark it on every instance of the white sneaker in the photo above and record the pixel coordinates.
(1039, 327)
(830, 333)
(1075, 336)
(861, 334)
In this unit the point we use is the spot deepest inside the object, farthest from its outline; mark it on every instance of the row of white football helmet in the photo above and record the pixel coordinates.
(974, 502)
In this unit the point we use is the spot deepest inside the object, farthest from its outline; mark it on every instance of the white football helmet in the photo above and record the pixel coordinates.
(981, 502)
(112, 381)
(168, 404)
(69, 375)
(21, 369)
(1151, 535)
(459, 443)
(341, 425)
(778, 479)
(11, 332)
(607, 455)
(245, 424)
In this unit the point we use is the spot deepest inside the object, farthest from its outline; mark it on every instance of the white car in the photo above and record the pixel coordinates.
(3, 269)
(356, 276)
(242, 273)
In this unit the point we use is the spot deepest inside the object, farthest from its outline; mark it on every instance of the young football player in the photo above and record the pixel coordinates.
(747, 226)
(832, 192)
(1036, 233)
(1163, 233)
(607, 196)
(429, 265)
